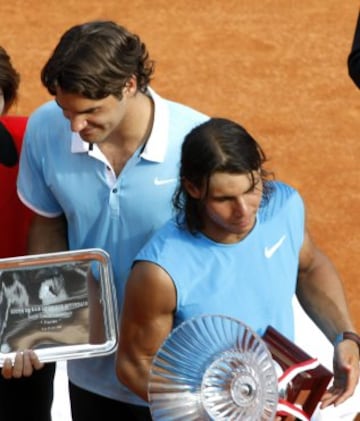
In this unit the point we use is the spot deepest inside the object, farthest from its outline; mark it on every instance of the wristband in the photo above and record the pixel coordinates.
(352, 336)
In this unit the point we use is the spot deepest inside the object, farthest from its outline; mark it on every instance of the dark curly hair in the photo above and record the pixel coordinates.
(9, 80)
(96, 59)
(218, 145)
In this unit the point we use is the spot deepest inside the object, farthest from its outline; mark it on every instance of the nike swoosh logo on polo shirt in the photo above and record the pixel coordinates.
(269, 251)
(160, 182)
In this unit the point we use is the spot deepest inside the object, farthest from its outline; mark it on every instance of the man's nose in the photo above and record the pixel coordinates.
(77, 122)
(241, 206)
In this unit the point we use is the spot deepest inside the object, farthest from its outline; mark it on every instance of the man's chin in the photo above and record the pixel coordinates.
(91, 139)
(90, 136)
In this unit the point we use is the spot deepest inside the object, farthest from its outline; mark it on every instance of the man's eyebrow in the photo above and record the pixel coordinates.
(87, 110)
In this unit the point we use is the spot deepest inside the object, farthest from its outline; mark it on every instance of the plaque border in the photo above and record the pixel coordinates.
(107, 301)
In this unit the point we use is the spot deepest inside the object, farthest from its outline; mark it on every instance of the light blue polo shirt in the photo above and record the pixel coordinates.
(58, 174)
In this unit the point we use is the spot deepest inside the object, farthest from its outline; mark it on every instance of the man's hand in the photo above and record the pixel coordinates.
(24, 365)
(346, 374)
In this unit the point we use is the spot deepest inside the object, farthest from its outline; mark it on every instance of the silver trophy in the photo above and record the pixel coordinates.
(213, 368)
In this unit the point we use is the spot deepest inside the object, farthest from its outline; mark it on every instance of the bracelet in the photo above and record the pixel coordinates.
(352, 336)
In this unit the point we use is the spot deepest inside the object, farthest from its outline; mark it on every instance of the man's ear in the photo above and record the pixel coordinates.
(191, 189)
(130, 87)
(8, 152)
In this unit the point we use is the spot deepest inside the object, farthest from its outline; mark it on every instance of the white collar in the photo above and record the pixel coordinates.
(156, 145)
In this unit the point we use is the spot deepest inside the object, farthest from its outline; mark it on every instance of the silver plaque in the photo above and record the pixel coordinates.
(62, 305)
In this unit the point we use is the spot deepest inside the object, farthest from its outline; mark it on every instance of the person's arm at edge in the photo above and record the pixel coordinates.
(146, 320)
(353, 61)
(321, 293)
(47, 235)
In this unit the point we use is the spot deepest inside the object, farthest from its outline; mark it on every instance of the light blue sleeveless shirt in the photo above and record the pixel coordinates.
(253, 280)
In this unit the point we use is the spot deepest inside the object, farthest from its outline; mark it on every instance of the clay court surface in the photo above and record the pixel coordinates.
(276, 66)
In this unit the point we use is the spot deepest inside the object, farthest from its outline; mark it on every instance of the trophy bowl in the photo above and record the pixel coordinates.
(213, 367)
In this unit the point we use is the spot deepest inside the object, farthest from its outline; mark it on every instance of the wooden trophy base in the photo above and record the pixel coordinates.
(307, 387)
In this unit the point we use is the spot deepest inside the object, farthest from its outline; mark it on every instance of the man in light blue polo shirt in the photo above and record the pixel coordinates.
(99, 166)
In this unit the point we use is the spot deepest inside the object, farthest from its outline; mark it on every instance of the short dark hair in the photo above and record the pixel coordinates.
(218, 145)
(96, 59)
(9, 79)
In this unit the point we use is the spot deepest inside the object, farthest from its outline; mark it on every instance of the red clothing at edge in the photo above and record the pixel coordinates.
(14, 216)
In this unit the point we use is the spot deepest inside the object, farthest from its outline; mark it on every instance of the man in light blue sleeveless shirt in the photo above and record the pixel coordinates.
(99, 166)
(238, 246)
(267, 259)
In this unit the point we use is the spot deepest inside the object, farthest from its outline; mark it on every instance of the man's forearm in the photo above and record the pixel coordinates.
(322, 296)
